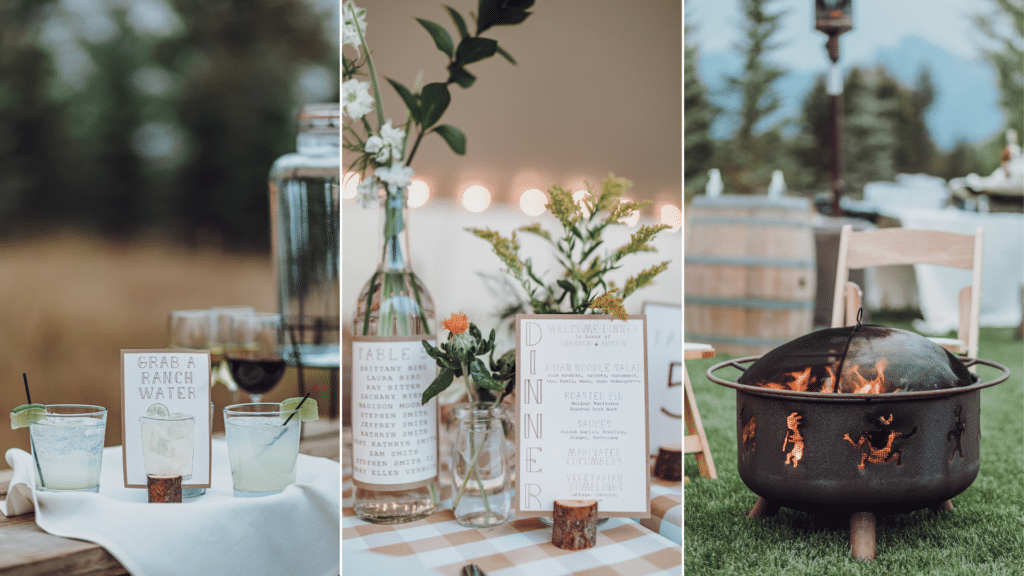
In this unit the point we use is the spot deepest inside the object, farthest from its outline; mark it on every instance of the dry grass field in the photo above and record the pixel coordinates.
(69, 304)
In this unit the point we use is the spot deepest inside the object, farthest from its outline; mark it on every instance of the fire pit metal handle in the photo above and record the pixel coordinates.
(968, 362)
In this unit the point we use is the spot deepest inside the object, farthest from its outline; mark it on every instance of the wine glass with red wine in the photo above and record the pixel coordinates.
(254, 352)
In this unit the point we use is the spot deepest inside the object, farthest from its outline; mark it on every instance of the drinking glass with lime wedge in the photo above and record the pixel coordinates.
(263, 444)
(67, 444)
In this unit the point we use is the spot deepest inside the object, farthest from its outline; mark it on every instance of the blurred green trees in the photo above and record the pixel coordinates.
(161, 116)
(747, 159)
(698, 114)
(1006, 54)
(884, 129)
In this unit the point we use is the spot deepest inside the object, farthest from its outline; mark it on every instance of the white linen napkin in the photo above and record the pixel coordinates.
(294, 532)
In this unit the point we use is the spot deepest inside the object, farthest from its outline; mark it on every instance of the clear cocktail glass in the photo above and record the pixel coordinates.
(67, 447)
(263, 446)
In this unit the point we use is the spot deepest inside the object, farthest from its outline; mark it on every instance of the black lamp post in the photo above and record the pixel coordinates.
(833, 17)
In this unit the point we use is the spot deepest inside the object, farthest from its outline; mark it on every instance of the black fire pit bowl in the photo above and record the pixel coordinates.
(857, 454)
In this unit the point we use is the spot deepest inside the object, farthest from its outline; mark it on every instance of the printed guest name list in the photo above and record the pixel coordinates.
(394, 437)
(582, 414)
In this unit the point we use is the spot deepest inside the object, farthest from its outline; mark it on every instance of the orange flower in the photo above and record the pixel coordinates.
(457, 324)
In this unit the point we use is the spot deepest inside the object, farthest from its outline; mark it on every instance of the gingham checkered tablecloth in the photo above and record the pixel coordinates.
(523, 547)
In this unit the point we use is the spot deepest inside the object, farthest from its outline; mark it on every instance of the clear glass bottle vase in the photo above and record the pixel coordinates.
(394, 314)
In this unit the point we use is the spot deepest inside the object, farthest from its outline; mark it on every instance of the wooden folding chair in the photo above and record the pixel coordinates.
(695, 441)
(900, 246)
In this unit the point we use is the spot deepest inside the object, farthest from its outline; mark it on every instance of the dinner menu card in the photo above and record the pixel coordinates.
(581, 411)
(166, 412)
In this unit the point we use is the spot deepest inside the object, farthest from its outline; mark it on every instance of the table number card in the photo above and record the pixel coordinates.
(665, 351)
(165, 409)
(581, 410)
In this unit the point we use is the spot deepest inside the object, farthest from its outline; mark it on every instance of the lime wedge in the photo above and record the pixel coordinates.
(158, 411)
(26, 414)
(308, 412)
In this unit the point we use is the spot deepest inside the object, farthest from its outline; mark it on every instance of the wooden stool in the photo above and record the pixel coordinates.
(695, 441)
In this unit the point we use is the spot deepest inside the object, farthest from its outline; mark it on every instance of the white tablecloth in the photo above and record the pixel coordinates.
(294, 532)
(1002, 268)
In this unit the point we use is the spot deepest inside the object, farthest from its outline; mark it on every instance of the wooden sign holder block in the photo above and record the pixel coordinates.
(574, 524)
(696, 442)
(164, 489)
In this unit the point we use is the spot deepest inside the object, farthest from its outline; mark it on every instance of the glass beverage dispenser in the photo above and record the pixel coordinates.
(306, 244)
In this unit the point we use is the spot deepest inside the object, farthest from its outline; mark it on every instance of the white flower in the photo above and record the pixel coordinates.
(388, 146)
(367, 192)
(396, 176)
(356, 98)
(353, 16)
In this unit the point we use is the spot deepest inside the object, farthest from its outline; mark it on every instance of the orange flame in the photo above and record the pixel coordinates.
(875, 385)
(799, 381)
(830, 386)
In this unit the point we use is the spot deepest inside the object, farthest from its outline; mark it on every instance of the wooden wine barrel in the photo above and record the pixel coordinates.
(750, 272)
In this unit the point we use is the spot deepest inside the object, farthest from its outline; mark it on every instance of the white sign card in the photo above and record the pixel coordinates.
(581, 411)
(665, 349)
(165, 411)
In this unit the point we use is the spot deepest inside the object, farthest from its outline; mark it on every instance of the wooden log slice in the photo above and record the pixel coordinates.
(669, 465)
(164, 489)
(574, 524)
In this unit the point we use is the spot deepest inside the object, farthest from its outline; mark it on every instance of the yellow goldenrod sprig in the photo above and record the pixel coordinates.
(579, 286)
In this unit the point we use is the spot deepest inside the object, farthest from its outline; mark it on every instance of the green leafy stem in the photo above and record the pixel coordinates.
(428, 105)
(583, 281)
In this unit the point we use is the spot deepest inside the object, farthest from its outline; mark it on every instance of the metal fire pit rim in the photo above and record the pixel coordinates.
(853, 398)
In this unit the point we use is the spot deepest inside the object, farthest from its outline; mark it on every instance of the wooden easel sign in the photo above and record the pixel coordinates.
(581, 412)
(165, 408)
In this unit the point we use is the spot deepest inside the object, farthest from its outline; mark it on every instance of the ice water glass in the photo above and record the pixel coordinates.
(263, 446)
(67, 447)
(167, 444)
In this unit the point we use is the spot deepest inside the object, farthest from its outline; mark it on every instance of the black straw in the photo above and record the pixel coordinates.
(299, 405)
(283, 432)
(31, 442)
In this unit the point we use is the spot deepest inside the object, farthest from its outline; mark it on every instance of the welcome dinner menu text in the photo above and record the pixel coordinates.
(581, 408)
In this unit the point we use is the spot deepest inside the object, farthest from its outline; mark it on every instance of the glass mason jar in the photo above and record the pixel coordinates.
(305, 195)
(481, 473)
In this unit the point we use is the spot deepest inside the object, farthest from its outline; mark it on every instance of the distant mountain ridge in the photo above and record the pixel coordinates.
(966, 105)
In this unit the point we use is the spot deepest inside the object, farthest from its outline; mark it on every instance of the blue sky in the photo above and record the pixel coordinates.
(876, 24)
(903, 34)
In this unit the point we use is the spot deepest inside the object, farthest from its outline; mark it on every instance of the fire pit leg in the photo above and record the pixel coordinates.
(943, 507)
(862, 536)
(763, 509)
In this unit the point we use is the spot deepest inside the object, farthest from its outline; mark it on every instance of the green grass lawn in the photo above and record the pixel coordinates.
(983, 535)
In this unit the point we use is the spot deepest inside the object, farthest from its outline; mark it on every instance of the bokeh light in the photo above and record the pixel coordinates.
(672, 216)
(476, 198)
(532, 202)
(419, 193)
(579, 195)
(349, 183)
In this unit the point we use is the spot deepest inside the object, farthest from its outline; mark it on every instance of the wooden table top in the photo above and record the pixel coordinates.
(692, 351)
(25, 549)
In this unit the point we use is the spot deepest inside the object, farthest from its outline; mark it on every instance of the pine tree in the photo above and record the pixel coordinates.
(1007, 56)
(915, 151)
(755, 150)
(869, 139)
(698, 114)
(755, 83)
